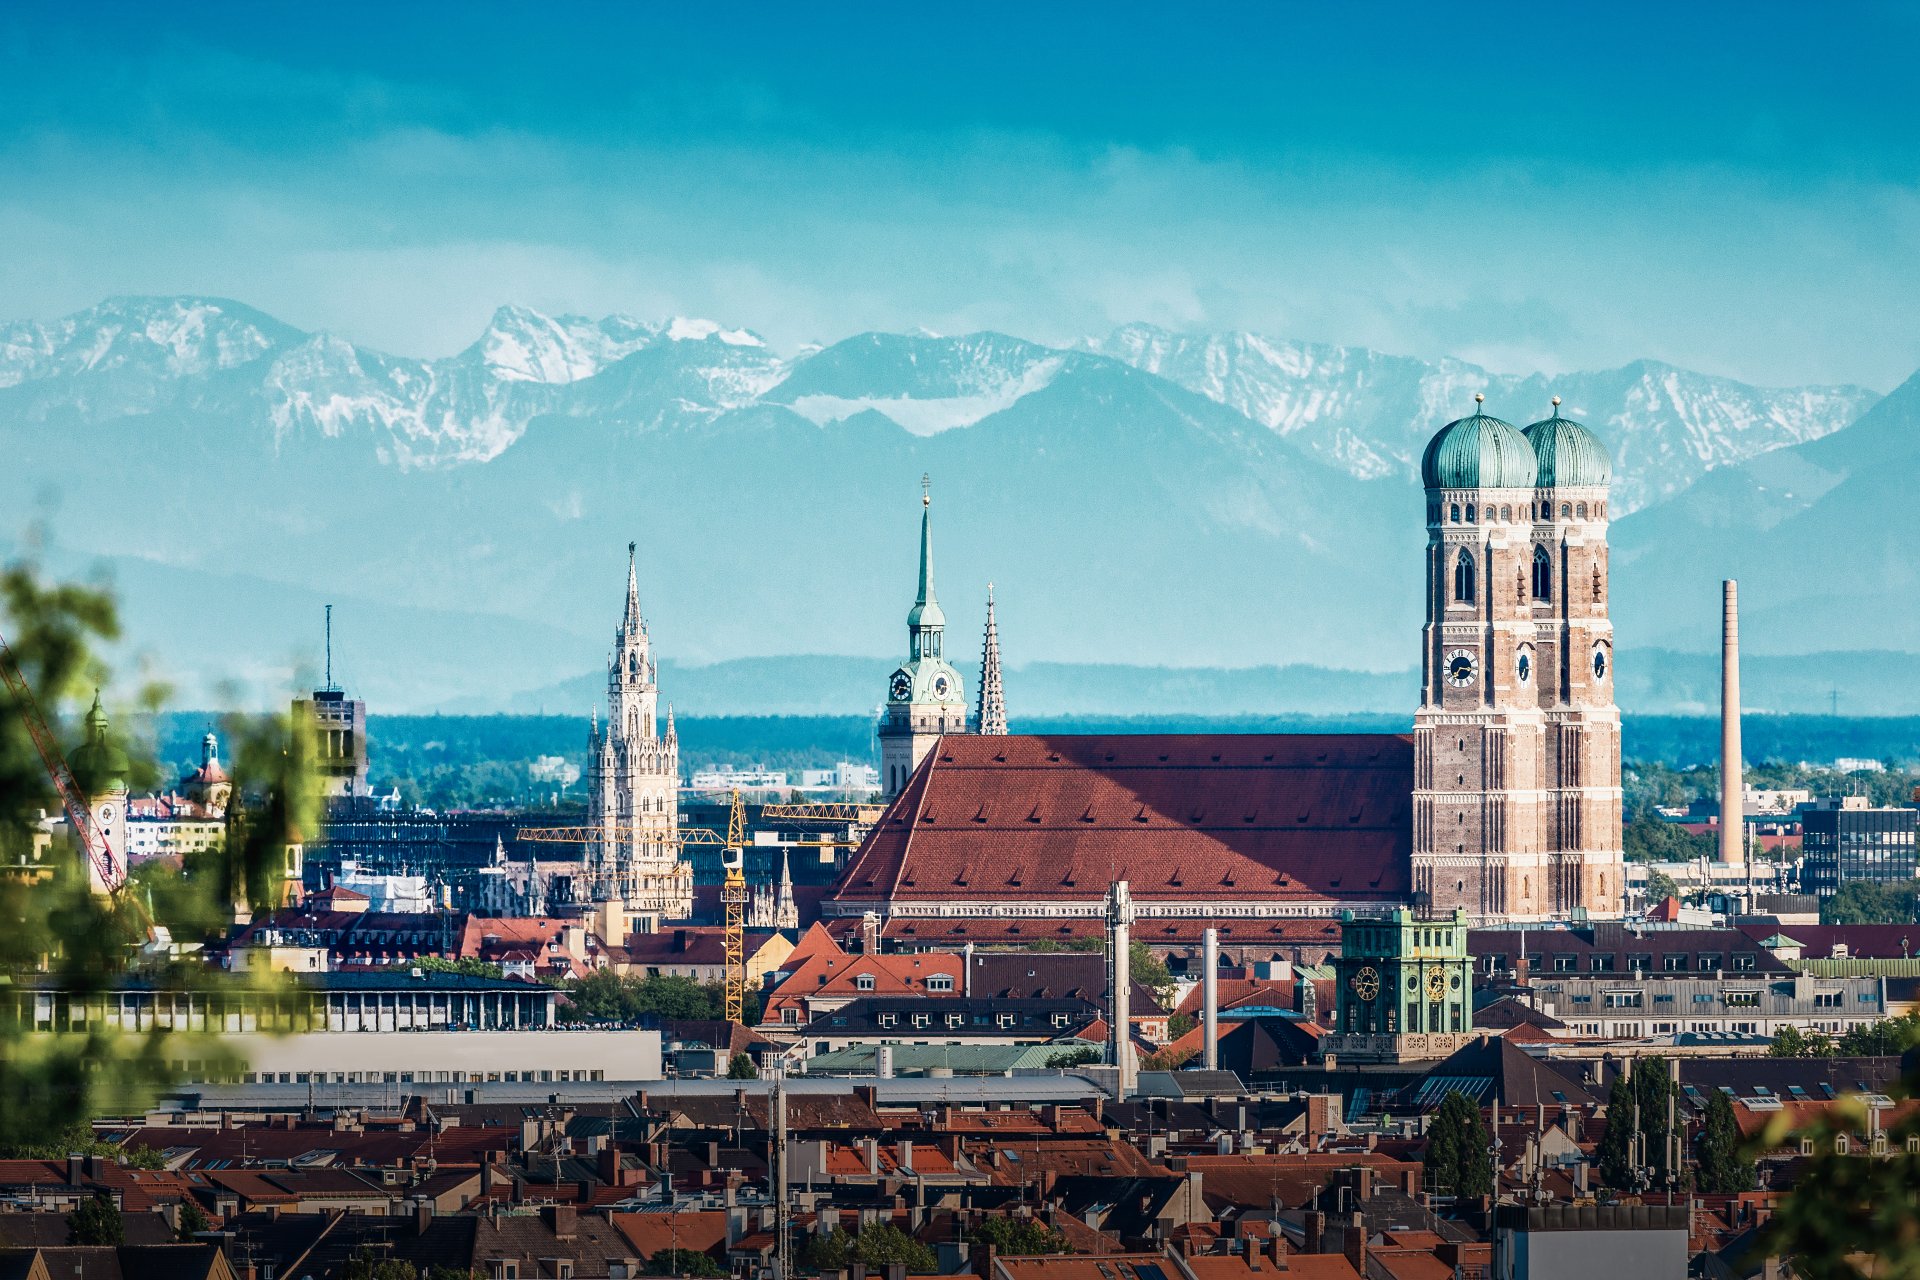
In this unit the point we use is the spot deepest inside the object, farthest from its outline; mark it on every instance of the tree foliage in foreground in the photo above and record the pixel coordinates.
(1850, 1215)
(57, 934)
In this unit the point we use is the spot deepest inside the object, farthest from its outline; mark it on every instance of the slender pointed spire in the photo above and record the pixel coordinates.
(926, 614)
(926, 540)
(632, 619)
(991, 717)
(786, 913)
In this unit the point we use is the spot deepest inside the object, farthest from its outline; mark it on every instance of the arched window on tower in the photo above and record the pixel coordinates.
(1542, 573)
(1582, 510)
(1463, 578)
(1454, 513)
(1566, 511)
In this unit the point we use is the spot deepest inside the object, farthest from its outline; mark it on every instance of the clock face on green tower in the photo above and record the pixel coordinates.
(901, 687)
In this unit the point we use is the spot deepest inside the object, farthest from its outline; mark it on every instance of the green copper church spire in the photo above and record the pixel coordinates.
(925, 616)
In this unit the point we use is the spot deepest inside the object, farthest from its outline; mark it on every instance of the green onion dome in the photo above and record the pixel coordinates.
(1478, 453)
(1570, 456)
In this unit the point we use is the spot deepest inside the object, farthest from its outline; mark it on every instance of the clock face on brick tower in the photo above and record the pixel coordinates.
(1460, 668)
(1599, 662)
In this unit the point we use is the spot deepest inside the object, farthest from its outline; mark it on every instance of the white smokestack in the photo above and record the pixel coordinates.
(1120, 913)
(1210, 997)
(1732, 825)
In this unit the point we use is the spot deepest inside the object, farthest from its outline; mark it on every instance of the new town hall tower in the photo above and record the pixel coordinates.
(633, 784)
(1516, 800)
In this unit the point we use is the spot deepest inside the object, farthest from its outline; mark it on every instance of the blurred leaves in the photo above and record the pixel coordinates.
(65, 949)
(1851, 1214)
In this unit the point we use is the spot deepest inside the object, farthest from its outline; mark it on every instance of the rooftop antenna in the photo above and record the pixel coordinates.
(331, 686)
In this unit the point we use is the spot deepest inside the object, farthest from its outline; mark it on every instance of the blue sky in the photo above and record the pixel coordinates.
(1729, 187)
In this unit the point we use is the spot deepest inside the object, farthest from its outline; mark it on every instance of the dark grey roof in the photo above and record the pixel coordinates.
(1191, 1084)
(1029, 1017)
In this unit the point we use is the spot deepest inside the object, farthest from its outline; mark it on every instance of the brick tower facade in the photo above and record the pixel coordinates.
(1516, 810)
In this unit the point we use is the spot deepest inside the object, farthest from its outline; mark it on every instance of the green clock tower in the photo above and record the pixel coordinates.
(924, 698)
(1405, 987)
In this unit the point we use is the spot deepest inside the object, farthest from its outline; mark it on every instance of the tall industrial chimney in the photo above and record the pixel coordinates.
(1120, 914)
(1732, 822)
(1210, 995)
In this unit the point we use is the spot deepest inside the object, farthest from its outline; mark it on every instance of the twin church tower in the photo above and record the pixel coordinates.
(1516, 790)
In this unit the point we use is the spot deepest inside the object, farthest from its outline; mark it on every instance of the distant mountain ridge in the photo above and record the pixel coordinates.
(1362, 411)
(1147, 499)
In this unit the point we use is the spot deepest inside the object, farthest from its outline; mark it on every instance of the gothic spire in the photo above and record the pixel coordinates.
(991, 717)
(632, 623)
(786, 913)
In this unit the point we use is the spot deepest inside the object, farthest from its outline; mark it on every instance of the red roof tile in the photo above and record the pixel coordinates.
(1199, 817)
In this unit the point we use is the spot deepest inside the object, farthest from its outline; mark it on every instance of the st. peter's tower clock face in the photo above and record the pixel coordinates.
(902, 686)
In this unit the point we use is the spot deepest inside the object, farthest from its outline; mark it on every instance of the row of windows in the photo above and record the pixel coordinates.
(1504, 514)
(1464, 575)
(563, 1075)
(1003, 1021)
(1608, 962)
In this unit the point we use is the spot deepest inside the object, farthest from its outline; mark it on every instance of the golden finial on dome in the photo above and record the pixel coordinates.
(1556, 403)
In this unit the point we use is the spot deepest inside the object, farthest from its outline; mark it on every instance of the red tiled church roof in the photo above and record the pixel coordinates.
(1217, 818)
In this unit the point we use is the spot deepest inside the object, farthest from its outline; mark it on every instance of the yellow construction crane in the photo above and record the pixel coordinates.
(612, 834)
(733, 892)
(616, 832)
(733, 896)
(864, 815)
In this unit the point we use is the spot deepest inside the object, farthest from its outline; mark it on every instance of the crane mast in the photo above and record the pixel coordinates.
(108, 871)
(733, 896)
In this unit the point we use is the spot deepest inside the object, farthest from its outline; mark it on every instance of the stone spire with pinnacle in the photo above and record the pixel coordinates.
(991, 717)
(786, 913)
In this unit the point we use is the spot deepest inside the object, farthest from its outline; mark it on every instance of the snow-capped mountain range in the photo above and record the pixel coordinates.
(1227, 498)
(1362, 411)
